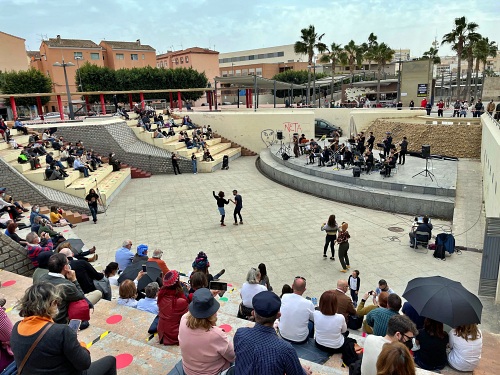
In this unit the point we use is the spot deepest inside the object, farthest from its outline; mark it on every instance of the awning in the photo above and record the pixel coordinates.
(248, 82)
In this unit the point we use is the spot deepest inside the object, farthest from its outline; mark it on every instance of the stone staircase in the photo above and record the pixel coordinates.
(244, 150)
(108, 182)
(218, 147)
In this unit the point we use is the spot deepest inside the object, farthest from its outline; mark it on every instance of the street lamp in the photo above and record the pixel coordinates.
(70, 103)
(78, 58)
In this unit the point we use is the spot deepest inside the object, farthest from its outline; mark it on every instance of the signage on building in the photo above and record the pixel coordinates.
(422, 89)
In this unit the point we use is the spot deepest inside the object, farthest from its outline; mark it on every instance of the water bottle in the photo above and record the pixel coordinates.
(314, 300)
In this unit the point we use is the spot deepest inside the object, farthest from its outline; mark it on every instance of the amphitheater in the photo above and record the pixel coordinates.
(284, 205)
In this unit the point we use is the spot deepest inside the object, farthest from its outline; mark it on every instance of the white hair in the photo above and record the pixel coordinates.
(126, 243)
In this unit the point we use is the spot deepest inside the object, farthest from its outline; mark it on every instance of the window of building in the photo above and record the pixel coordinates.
(182, 60)
(187, 59)
(143, 57)
(94, 56)
(224, 73)
(281, 54)
(244, 72)
(78, 55)
(258, 71)
(251, 57)
(261, 56)
(134, 56)
(251, 72)
(176, 61)
(120, 56)
(238, 72)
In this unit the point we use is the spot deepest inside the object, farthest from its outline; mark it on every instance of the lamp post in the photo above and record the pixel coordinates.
(78, 58)
(70, 103)
(308, 85)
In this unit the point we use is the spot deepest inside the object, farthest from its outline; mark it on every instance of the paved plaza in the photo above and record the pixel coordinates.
(282, 229)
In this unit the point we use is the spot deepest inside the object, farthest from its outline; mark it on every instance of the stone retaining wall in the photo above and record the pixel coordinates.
(115, 136)
(461, 141)
(13, 257)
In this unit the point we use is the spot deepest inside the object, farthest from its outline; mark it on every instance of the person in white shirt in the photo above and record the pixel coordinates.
(329, 325)
(400, 328)
(466, 343)
(297, 314)
(149, 303)
(248, 291)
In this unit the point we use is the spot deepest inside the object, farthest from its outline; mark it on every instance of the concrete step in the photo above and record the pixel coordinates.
(111, 183)
(210, 166)
(82, 185)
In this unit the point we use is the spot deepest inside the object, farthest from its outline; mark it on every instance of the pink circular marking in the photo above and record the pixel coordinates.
(230, 285)
(8, 283)
(113, 319)
(123, 360)
(226, 327)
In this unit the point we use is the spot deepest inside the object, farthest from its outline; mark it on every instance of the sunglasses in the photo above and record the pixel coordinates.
(300, 277)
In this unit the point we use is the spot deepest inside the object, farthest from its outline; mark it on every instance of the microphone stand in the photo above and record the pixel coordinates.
(99, 193)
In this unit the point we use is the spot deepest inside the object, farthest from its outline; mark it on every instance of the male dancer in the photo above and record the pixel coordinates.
(238, 201)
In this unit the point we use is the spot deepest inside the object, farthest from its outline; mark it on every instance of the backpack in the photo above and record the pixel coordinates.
(355, 368)
(349, 354)
(447, 241)
(439, 252)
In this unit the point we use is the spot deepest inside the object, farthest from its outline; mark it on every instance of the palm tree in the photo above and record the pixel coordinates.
(381, 54)
(432, 54)
(468, 53)
(457, 38)
(353, 56)
(484, 49)
(367, 47)
(333, 56)
(310, 41)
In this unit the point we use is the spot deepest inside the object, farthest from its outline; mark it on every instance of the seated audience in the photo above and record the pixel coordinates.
(383, 287)
(297, 314)
(58, 351)
(57, 218)
(10, 208)
(362, 310)
(286, 289)
(128, 294)
(433, 342)
(205, 348)
(36, 245)
(142, 254)
(411, 313)
(43, 266)
(248, 290)
(113, 161)
(466, 344)
(329, 325)
(18, 125)
(378, 318)
(202, 264)
(395, 359)
(197, 281)
(425, 226)
(157, 254)
(104, 285)
(344, 303)
(264, 279)
(78, 165)
(149, 303)
(172, 304)
(60, 274)
(399, 328)
(124, 255)
(6, 355)
(45, 227)
(258, 349)
(11, 232)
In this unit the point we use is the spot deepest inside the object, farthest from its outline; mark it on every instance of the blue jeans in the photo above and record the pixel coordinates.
(93, 212)
(195, 165)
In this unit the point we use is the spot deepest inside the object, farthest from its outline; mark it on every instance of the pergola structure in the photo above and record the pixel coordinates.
(86, 94)
(252, 84)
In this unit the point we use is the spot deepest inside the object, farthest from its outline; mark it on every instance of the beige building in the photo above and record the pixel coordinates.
(118, 55)
(12, 53)
(269, 55)
(199, 59)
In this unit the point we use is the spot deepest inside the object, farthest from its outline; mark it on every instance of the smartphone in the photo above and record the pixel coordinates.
(74, 324)
(217, 285)
(144, 269)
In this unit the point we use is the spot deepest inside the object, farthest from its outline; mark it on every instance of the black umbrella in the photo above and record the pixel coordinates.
(443, 300)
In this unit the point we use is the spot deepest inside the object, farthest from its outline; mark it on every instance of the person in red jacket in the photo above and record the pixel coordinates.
(440, 106)
(172, 305)
(423, 103)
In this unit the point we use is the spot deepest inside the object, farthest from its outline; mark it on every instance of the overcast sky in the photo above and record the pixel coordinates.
(238, 25)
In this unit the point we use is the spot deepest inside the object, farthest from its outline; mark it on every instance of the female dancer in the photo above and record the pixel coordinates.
(331, 229)
(220, 205)
(343, 241)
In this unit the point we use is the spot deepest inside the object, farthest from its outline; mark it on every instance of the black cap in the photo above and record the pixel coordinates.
(266, 304)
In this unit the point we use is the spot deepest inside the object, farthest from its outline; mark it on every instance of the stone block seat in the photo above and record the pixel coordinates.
(218, 148)
(122, 331)
(109, 182)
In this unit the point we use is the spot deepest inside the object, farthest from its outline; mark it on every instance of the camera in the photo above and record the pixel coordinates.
(371, 292)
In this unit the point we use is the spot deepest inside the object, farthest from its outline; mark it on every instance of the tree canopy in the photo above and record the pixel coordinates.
(297, 77)
(25, 82)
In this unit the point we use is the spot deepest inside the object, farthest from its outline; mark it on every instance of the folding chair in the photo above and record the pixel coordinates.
(421, 238)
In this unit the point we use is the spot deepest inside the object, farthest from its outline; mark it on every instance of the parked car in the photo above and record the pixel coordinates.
(226, 103)
(50, 116)
(323, 127)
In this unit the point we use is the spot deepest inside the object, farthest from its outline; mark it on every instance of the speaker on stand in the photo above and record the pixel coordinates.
(426, 153)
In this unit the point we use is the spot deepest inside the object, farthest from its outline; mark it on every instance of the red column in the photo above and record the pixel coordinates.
(13, 107)
(209, 100)
(246, 98)
(171, 101)
(250, 98)
(87, 104)
(131, 102)
(39, 107)
(60, 107)
(103, 104)
(141, 95)
(179, 100)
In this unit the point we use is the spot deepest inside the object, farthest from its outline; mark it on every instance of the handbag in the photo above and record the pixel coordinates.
(12, 368)
(79, 310)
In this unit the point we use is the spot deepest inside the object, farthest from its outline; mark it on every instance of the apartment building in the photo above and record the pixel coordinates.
(12, 53)
(118, 55)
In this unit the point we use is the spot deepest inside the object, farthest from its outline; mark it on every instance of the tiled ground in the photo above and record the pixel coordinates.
(282, 229)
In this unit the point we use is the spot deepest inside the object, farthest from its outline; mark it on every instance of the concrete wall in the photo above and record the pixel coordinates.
(13, 55)
(13, 257)
(491, 89)
(490, 160)
(113, 135)
(413, 73)
(257, 130)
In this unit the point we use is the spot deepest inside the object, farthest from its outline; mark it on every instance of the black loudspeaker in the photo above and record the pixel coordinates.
(285, 156)
(426, 151)
(356, 172)
(279, 135)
